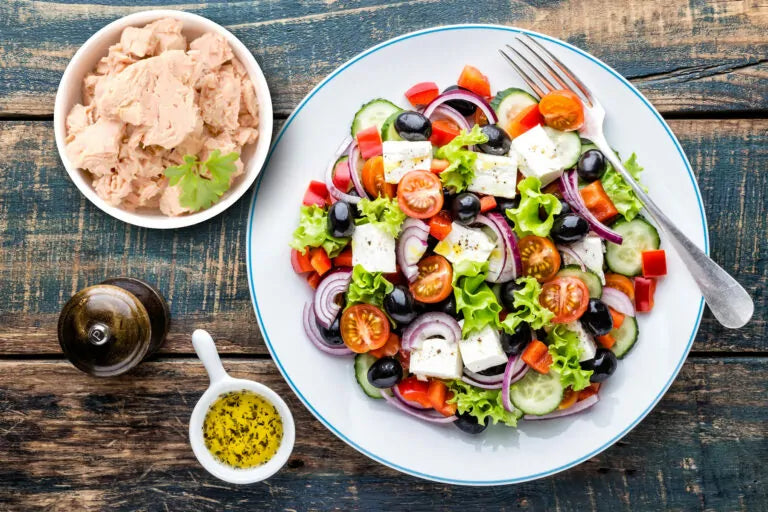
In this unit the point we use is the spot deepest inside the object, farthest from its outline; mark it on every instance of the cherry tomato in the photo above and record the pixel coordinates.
(420, 194)
(443, 132)
(562, 110)
(434, 281)
(539, 257)
(566, 297)
(390, 348)
(471, 78)
(621, 283)
(373, 178)
(364, 327)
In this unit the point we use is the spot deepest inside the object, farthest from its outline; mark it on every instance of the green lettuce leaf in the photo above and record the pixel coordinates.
(460, 173)
(621, 194)
(565, 351)
(383, 212)
(481, 403)
(368, 287)
(527, 307)
(526, 216)
(313, 232)
(474, 298)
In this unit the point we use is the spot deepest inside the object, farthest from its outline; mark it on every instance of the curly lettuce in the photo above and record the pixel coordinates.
(483, 404)
(525, 217)
(383, 212)
(313, 232)
(368, 287)
(619, 191)
(527, 307)
(565, 350)
(474, 298)
(461, 171)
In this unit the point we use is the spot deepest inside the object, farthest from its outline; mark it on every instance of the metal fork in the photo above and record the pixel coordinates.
(726, 298)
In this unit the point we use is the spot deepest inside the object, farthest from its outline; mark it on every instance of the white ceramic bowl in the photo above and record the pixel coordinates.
(221, 382)
(70, 93)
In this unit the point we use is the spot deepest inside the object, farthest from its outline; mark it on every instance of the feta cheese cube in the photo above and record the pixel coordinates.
(538, 155)
(482, 349)
(373, 248)
(436, 358)
(586, 343)
(465, 244)
(402, 157)
(495, 175)
(590, 250)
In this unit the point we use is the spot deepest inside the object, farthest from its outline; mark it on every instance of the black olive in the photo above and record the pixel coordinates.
(565, 208)
(431, 243)
(385, 372)
(507, 295)
(447, 306)
(498, 140)
(400, 305)
(591, 165)
(516, 343)
(603, 365)
(494, 370)
(465, 208)
(341, 221)
(413, 126)
(597, 319)
(503, 204)
(448, 195)
(464, 107)
(569, 228)
(332, 335)
(469, 423)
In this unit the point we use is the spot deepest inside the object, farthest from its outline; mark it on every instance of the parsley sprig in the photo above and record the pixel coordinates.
(202, 183)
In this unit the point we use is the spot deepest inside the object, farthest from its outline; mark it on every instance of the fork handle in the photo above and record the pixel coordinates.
(726, 298)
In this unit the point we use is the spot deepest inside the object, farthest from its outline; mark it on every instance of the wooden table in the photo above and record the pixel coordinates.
(71, 442)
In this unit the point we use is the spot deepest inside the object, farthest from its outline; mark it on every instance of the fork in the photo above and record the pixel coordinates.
(727, 299)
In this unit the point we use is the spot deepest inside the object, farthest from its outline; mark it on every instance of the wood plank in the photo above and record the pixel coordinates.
(54, 242)
(121, 444)
(686, 56)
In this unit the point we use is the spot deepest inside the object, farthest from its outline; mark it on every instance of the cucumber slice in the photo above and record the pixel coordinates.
(373, 113)
(510, 102)
(388, 131)
(537, 393)
(638, 236)
(362, 363)
(625, 337)
(568, 145)
(590, 279)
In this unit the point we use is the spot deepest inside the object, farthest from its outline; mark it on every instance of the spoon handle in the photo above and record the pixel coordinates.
(206, 351)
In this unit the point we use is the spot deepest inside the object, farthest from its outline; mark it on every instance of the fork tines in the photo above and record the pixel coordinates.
(550, 74)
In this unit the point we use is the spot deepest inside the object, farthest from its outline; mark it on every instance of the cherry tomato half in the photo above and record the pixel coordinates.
(434, 281)
(566, 297)
(364, 327)
(420, 194)
(373, 179)
(539, 257)
(562, 110)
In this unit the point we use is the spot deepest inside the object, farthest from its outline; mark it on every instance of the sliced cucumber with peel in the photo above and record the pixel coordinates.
(510, 102)
(373, 113)
(590, 279)
(567, 144)
(537, 393)
(362, 363)
(625, 337)
(638, 235)
(388, 131)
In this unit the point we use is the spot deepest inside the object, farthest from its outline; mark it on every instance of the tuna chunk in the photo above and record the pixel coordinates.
(96, 147)
(212, 50)
(167, 33)
(220, 99)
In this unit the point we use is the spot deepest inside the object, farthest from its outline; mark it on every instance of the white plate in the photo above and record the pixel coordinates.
(326, 385)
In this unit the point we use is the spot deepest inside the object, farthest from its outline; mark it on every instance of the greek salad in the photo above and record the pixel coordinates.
(480, 261)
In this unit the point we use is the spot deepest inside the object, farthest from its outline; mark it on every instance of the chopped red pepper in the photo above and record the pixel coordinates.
(369, 141)
(606, 340)
(320, 260)
(590, 390)
(443, 132)
(314, 279)
(645, 287)
(487, 203)
(618, 318)
(438, 393)
(300, 262)
(344, 259)
(440, 225)
(422, 93)
(654, 263)
(526, 119)
(438, 165)
(415, 390)
(472, 79)
(316, 194)
(598, 202)
(537, 356)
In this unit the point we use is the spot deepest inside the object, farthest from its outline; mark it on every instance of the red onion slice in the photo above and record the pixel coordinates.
(313, 333)
(570, 190)
(353, 156)
(461, 94)
(618, 300)
(484, 379)
(431, 325)
(399, 396)
(573, 254)
(506, 382)
(411, 246)
(472, 382)
(325, 305)
(507, 241)
(431, 416)
(574, 409)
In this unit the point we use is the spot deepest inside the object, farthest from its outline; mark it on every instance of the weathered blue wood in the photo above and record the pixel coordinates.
(687, 57)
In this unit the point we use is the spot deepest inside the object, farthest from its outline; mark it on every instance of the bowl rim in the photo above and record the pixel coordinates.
(252, 168)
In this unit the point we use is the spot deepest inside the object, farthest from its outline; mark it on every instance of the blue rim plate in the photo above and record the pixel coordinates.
(326, 385)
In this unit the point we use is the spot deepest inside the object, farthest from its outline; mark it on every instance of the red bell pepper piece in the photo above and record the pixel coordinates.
(369, 141)
(300, 262)
(645, 287)
(320, 260)
(422, 93)
(654, 263)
